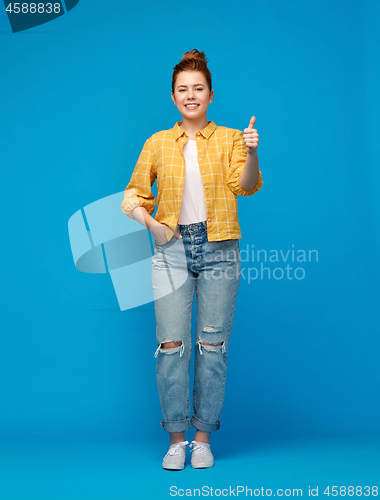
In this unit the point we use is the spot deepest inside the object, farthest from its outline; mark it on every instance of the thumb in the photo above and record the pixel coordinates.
(252, 122)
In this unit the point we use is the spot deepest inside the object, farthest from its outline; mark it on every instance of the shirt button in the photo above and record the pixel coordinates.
(199, 138)
(208, 219)
(208, 201)
(203, 171)
(206, 187)
(200, 158)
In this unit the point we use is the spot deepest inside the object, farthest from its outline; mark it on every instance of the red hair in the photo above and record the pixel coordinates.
(194, 60)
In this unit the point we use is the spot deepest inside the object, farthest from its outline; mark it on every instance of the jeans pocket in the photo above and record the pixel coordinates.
(159, 245)
(168, 243)
(173, 239)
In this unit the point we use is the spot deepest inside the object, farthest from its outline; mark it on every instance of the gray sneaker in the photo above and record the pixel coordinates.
(201, 456)
(175, 457)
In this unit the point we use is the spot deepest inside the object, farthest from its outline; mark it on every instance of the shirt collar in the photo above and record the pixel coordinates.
(206, 132)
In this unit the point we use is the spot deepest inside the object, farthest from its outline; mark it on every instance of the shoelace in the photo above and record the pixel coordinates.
(174, 450)
(197, 447)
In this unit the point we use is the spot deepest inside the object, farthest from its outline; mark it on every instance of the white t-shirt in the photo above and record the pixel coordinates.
(193, 207)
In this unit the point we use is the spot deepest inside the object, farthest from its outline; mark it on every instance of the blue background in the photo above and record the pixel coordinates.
(80, 95)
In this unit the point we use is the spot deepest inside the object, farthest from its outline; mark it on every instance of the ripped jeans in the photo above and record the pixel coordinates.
(180, 267)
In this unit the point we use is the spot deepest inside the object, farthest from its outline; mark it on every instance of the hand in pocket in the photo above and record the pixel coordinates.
(159, 233)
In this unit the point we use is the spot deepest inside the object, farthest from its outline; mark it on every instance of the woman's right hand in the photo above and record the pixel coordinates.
(159, 232)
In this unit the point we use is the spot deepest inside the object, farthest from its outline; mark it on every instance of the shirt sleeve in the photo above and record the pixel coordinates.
(138, 193)
(237, 163)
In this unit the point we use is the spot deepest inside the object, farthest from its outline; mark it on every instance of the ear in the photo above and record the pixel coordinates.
(173, 98)
(211, 96)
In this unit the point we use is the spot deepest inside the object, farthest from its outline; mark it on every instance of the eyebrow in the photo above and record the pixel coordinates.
(195, 85)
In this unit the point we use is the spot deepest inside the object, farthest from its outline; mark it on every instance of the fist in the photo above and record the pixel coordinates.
(251, 137)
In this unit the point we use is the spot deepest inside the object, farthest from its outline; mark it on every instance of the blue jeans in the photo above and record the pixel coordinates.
(180, 267)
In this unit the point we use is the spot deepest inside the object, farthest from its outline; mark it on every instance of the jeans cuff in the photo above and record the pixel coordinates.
(204, 426)
(176, 425)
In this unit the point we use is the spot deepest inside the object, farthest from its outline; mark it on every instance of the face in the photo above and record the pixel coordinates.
(191, 94)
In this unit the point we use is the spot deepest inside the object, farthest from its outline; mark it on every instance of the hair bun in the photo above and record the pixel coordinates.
(195, 54)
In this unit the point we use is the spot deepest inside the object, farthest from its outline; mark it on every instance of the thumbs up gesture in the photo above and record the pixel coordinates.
(251, 137)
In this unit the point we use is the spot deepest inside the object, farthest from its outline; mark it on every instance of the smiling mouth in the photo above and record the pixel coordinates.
(191, 106)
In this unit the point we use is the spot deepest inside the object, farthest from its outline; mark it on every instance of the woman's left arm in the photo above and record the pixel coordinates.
(250, 174)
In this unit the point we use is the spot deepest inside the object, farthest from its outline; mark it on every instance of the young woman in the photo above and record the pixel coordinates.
(200, 169)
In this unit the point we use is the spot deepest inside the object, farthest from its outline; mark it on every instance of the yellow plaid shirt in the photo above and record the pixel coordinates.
(221, 156)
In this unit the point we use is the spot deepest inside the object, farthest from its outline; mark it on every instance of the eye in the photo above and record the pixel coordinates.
(199, 88)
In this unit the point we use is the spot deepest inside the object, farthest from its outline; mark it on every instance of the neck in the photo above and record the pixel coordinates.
(191, 127)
